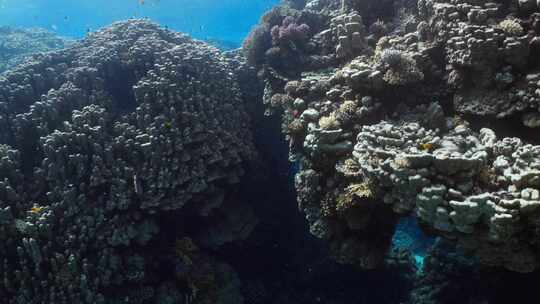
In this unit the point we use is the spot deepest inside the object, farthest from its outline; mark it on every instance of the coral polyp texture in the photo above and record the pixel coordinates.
(417, 108)
(111, 150)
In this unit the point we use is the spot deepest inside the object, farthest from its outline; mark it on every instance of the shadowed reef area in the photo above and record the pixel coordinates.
(350, 152)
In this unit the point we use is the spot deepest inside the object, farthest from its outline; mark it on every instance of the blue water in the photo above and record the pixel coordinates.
(223, 20)
(409, 236)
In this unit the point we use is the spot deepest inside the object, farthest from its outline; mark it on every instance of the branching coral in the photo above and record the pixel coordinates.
(401, 68)
(290, 34)
(347, 111)
(349, 168)
(393, 58)
(288, 43)
(277, 40)
(256, 44)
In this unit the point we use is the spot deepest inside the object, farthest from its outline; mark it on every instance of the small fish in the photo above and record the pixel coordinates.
(137, 185)
(66, 18)
(54, 27)
(154, 2)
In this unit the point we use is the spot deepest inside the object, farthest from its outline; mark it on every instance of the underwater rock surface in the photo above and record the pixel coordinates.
(114, 155)
(17, 44)
(410, 108)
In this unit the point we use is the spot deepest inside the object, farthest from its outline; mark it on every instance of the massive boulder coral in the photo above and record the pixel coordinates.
(130, 133)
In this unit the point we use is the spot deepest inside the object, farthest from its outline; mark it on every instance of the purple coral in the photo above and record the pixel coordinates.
(290, 31)
(288, 21)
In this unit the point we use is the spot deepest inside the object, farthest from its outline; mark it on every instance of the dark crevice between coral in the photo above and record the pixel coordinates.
(29, 149)
(511, 126)
(281, 262)
(120, 86)
(452, 276)
(373, 11)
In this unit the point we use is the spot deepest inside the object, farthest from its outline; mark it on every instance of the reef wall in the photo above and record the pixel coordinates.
(410, 108)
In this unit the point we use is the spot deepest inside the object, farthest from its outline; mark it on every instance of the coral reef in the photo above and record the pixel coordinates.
(123, 158)
(469, 185)
(17, 44)
(109, 150)
(392, 130)
(491, 62)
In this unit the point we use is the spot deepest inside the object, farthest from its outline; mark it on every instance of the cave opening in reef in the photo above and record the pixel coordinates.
(409, 236)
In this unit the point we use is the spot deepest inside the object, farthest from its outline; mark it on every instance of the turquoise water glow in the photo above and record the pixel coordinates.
(409, 236)
(224, 20)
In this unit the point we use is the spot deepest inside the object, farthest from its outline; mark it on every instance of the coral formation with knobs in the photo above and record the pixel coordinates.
(100, 143)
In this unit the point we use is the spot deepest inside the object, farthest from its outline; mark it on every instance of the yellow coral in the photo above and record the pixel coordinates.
(348, 106)
(329, 122)
(36, 209)
(407, 73)
(427, 146)
(350, 167)
(361, 190)
(401, 162)
(511, 27)
(328, 205)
